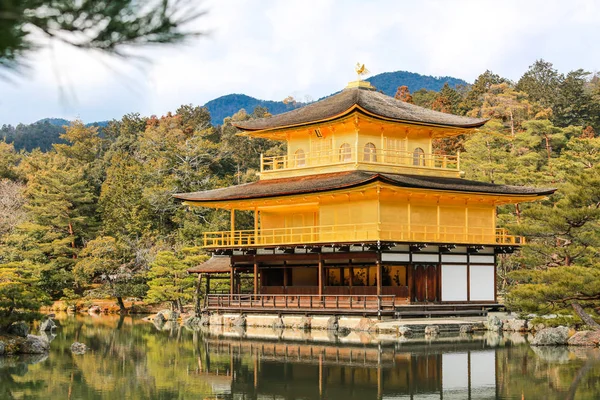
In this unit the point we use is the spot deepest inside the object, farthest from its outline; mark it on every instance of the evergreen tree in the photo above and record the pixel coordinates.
(107, 261)
(561, 256)
(169, 281)
(60, 206)
(474, 96)
(541, 83)
(573, 104)
(9, 160)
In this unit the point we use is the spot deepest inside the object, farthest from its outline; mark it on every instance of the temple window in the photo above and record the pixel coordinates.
(370, 153)
(419, 157)
(299, 158)
(345, 152)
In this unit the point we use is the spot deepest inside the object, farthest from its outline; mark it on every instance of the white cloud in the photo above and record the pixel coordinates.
(271, 49)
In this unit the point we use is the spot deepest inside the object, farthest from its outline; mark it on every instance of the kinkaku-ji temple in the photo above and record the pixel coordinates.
(360, 216)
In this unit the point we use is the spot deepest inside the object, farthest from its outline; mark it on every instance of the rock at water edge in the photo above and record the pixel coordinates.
(47, 325)
(19, 328)
(494, 323)
(94, 310)
(551, 337)
(405, 331)
(35, 345)
(78, 348)
(585, 338)
(432, 330)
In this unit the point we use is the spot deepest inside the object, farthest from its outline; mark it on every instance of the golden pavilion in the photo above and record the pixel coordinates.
(361, 215)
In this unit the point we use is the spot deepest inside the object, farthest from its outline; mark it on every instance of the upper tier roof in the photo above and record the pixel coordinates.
(364, 99)
(344, 180)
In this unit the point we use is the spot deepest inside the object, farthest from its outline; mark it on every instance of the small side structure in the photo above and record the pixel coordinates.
(360, 216)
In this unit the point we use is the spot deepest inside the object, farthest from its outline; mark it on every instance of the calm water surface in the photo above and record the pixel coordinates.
(131, 359)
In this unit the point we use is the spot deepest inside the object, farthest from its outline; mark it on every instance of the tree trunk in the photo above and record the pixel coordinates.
(585, 317)
(121, 304)
(180, 306)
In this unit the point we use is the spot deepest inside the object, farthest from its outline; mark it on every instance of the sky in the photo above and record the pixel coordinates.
(271, 49)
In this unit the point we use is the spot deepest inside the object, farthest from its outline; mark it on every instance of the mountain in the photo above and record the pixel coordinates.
(388, 82)
(41, 134)
(62, 122)
(225, 106)
(45, 132)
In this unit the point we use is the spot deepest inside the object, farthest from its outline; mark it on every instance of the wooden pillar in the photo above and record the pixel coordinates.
(231, 239)
(285, 277)
(320, 275)
(232, 281)
(379, 274)
(198, 293)
(255, 277)
(255, 225)
(207, 284)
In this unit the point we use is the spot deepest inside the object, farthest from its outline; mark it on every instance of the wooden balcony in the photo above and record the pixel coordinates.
(366, 304)
(391, 161)
(325, 234)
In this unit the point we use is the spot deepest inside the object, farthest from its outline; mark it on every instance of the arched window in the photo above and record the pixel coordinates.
(419, 157)
(299, 158)
(370, 152)
(345, 152)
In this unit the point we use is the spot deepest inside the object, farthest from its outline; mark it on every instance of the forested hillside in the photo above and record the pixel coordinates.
(388, 82)
(45, 132)
(39, 135)
(94, 215)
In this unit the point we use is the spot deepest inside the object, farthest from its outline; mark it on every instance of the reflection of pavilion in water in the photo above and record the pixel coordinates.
(278, 370)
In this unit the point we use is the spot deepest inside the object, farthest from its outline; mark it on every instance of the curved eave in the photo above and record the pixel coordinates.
(510, 197)
(349, 111)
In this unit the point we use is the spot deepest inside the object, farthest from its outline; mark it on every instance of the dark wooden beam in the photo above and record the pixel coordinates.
(320, 275)
(255, 277)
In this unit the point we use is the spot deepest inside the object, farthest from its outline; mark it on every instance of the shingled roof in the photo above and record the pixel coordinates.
(365, 100)
(214, 265)
(349, 179)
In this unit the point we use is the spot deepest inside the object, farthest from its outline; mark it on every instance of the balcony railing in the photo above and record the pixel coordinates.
(359, 233)
(357, 155)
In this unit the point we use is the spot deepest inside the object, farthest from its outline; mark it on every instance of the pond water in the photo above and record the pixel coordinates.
(132, 359)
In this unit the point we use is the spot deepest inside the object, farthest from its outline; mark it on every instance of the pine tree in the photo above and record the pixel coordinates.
(107, 261)
(60, 207)
(561, 256)
(169, 281)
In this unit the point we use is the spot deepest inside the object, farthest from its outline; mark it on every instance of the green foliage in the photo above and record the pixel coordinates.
(39, 135)
(541, 82)
(20, 296)
(103, 25)
(552, 290)
(168, 280)
(9, 160)
(106, 261)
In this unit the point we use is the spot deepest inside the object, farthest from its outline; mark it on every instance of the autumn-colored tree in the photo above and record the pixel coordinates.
(403, 94)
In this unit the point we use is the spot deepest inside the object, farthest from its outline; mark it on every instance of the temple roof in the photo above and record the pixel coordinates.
(365, 100)
(214, 265)
(344, 180)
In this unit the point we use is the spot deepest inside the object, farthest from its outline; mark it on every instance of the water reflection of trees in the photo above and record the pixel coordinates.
(132, 359)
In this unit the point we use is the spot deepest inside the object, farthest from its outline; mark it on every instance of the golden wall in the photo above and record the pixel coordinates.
(385, 215)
